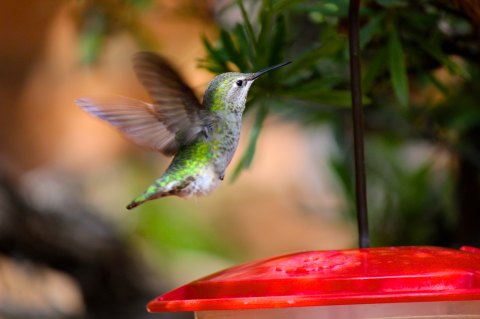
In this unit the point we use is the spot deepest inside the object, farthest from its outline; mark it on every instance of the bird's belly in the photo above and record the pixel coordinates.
(224, 154)
(204, 183)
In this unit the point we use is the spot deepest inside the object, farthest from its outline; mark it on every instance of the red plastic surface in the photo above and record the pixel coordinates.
(357, 276)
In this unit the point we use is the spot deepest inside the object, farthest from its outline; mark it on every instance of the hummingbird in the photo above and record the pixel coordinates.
(202, 137)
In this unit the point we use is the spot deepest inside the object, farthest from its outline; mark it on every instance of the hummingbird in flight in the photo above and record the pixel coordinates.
(202, 137)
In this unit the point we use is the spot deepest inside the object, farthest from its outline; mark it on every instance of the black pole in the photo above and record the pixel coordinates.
(357, 117)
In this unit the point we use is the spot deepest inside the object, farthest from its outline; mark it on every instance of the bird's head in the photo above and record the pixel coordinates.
(228, 91)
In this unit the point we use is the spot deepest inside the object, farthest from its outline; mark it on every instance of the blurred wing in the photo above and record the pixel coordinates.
(139, 121)
(173, 100)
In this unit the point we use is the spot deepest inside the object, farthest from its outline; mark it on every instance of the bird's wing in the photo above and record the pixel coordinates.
(138, 121)
(174, 119)
(173, 99)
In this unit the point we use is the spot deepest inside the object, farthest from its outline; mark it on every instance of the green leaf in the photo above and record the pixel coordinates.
(329, 46)
(265, 36)
(374, 69)
(215, 56)
(398, 71)
(245, 47)
(391, 3)
(278, 41)
(333, 8)
(283, 4)
(248, 25)
(232, 54)
(340, 98)
(370, 29)
(314, 86)
(247, 157)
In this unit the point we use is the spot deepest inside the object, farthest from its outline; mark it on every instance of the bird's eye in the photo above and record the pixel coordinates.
(239, 83)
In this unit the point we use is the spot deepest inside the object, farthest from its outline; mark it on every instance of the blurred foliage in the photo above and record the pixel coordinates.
(102, 18)
(410, 199)
(420, 84)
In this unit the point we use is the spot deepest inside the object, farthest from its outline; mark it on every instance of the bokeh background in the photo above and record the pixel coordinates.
(68, 246)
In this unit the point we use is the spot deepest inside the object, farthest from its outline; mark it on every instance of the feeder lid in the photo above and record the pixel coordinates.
(339, 277)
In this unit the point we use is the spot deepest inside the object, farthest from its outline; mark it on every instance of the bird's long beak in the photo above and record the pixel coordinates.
(262, 72)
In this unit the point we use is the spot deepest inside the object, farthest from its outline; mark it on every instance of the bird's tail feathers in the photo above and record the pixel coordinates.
(162, 187)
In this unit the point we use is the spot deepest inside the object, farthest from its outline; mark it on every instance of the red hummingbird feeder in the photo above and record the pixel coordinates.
(386, 282)
(389, 282)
